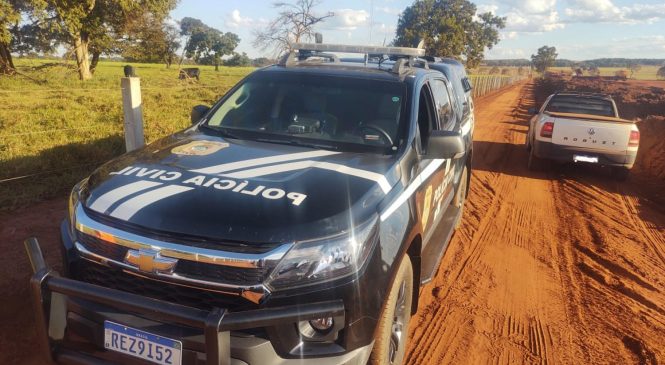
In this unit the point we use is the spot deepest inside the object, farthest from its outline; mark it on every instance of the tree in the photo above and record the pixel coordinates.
(151, 40)
(96, 25)
(9, 16)
(10, 27)
(241, 60)
(594, 70)
(450, 28)
(661, 72)
(207, 45)
(544, 59)
(262, 62)
(633, 67)
(294, 23)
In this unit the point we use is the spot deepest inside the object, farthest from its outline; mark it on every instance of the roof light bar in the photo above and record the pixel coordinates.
(343, 48)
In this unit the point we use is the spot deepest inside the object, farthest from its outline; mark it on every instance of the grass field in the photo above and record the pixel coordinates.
(58, 131)
(645, 73)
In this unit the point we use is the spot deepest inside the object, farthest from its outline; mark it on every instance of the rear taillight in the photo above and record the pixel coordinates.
(547, 129)
(634, 140)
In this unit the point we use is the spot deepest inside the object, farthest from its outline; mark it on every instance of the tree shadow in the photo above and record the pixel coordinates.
(54, 171)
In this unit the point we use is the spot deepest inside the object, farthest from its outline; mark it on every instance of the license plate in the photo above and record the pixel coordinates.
(578, 158)
(144, 345)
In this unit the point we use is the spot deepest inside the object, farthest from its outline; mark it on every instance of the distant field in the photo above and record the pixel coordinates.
(645, 73)
(58, 131)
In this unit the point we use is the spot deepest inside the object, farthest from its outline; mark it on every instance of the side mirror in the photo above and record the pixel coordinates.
(533, 111)
(198, 112)
(445, 144)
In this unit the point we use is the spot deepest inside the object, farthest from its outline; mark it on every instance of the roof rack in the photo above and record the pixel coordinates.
(404, 56)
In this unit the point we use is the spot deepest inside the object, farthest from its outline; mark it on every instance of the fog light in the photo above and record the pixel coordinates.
(322, 324)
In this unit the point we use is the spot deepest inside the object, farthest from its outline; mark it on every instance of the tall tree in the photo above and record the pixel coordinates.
(294, 23)
(207, 45)
(661, 72)
(544, 59)
(450, 28)
(95, 25)
(634, 67)
(9, 17)
(150, 39)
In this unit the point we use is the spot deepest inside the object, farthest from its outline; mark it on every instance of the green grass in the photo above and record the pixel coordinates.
(645, 73)
(69, 127)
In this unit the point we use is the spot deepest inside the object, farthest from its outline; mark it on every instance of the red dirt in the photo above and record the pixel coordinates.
(565, 266)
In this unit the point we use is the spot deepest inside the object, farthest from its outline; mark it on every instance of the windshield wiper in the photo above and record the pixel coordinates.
(224, 132)
(295, 142)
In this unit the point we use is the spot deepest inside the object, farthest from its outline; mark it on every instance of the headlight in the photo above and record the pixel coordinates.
(74, 200)
(318, 261)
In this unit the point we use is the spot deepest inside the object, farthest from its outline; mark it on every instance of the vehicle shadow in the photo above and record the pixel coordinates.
(511, 159)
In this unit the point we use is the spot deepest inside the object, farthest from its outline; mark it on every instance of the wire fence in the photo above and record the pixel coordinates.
(112, 125)
(486, 84)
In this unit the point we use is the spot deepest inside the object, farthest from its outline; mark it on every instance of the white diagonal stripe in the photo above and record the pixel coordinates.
(299, 165)
(127, 209)
(262, 161)
(369, 175)
(427, 172)
(109, 198)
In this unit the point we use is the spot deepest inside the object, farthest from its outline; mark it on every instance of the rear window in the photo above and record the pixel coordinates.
(334, 110)
(581, 105)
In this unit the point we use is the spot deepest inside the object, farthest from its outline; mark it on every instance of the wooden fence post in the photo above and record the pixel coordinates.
(133, 110)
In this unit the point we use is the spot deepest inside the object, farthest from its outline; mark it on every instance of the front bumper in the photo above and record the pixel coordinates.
(551, 151)
(69, 315)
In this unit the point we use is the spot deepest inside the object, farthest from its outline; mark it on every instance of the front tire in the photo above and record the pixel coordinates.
(393, 330)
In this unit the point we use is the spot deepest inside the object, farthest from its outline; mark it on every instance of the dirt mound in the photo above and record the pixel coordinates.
(651, 155)
(635, 99)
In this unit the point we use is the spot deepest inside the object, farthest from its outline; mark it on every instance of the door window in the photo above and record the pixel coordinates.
(426, 116)
(443, 104)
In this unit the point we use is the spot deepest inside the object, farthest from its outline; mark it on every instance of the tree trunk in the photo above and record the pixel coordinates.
(82, 58)
(216, 66)
(6, 62)
(94, 62)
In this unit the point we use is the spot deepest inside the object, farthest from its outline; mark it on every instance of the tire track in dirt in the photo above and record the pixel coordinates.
(547, 268)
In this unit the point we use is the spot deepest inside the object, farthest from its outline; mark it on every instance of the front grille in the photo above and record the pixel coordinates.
(101, 247)
(192, 269)
(117, 279)
(221, 274)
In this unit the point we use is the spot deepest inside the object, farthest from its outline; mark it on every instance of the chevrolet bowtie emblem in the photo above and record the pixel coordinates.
(150, 261)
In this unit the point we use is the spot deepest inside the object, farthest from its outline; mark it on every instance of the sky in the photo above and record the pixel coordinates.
(579, 29)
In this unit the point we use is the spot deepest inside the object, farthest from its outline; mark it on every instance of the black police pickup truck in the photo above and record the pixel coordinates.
(291, 223)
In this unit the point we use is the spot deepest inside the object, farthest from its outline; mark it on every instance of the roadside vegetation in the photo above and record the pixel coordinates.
(54, 133)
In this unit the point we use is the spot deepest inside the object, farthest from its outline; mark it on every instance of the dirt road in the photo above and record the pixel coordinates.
(560, 267)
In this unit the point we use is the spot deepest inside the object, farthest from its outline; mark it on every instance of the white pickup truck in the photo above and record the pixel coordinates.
(582, 128)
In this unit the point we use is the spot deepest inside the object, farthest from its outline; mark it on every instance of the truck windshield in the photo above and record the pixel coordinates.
(581, 105)
(338, 112)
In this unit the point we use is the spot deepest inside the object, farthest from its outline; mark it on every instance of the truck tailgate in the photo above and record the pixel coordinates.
(604, 136)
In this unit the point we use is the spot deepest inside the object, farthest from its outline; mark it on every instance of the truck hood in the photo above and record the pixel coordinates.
(198, 185)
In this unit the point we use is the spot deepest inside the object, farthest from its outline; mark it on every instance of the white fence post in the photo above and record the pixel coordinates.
(133, 110)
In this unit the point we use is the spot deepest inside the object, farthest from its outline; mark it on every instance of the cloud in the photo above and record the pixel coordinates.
(388, 10)
(347, 19)
(605, 11)
(533, 23)
(235, 20)
(503, 52)
(630, 47)
(486, 8)
(531, 6)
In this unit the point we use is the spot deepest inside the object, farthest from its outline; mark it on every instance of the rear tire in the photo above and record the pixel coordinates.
(620, 173)
(460, 197)
(393, 330)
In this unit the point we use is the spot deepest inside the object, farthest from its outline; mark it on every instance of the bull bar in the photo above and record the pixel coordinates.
(50, 292)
